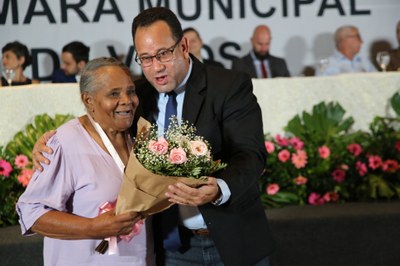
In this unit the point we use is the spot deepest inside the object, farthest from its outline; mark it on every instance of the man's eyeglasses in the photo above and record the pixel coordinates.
(162, 56)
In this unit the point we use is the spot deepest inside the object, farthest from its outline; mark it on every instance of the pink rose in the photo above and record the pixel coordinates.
(21, 161)
(299, 159)
(374, 162)
(315, 199)
(354, 149)
(324, 152)
(390, 166)
(159, 147)
(331, 197)
(300, 180)
(283, 155)
(269, 146)
(25, 177)
(198, 148)
(281, 141)
(339, 175)
(177, 156)
(272, 189)
(5, 168)
(296, 143)
(361, 168)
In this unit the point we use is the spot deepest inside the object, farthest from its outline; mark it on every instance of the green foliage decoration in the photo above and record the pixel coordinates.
(14, 177)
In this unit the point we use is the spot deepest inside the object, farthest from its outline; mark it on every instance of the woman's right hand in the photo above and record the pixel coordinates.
(108, 224)
(40, 148)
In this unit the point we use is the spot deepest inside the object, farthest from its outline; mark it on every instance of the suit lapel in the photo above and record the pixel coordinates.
(195, 92)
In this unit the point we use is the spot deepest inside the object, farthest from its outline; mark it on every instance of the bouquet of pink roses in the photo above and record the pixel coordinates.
(158, 161)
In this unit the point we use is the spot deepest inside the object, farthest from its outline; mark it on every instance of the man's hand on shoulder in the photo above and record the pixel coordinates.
(40, 148)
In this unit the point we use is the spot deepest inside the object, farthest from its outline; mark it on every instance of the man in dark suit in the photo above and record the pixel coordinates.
(259, 63)
(223, 219)
(74, 57)
(195, 45)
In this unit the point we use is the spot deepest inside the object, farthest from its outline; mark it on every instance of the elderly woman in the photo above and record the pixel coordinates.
(66, 201)
(16, 58)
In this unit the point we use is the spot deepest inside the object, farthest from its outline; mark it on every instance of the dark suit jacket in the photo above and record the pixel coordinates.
(221, 104)
(60, 77)
(245, 64)
(213, 63)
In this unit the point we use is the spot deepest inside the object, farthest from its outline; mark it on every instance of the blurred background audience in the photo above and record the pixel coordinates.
(74, 57)
(346, 58)
(195, 45)
(15, 58)
(258, 63)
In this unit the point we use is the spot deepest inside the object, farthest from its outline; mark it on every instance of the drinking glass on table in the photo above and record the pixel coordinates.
(9, 75)
(322, 65)
(383, 59)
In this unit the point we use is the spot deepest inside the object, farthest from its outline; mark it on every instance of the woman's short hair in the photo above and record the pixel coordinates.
(20, 50)
(89, 81)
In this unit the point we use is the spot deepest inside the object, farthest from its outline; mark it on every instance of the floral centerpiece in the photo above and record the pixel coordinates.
(15, 164)
(15, 174)
(319, 160)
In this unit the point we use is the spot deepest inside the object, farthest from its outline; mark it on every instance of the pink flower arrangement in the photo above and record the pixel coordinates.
(300, 180)
(324, 152)
(177, 156)
(180, 152)
(25, 177)
(21, 161)
(339, 175)
(299, 159)
(374, 162)
(272, 189)
(284, 155)
(269, 146)
(159, 146)
(5, 168)
(361, 168)
(320, 160)
(354, 149)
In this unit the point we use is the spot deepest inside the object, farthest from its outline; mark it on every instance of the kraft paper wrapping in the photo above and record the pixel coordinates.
(143, 191)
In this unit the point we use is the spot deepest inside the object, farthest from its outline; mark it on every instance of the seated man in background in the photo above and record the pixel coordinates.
(259, 63)
(394, 64)
(74, 57)
(195, 45)
(346, 58)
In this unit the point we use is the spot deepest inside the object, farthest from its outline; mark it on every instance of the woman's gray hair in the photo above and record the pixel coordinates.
(90, 82)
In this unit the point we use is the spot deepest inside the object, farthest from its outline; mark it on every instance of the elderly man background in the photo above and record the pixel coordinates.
(259, 63)
(346, 58)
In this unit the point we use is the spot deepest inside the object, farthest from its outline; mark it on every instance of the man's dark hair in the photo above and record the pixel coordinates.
(20, 50)
(149, 16)
(79, 51)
